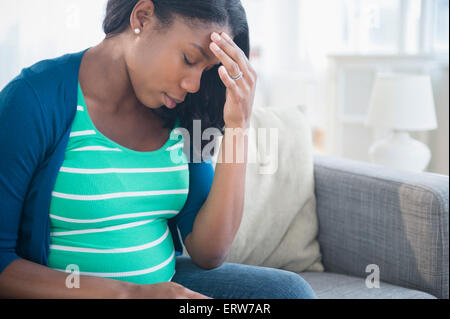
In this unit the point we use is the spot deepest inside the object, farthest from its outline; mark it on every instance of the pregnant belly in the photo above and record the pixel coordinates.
(144, 254)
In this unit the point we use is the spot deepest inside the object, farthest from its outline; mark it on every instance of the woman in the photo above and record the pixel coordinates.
(87, 183)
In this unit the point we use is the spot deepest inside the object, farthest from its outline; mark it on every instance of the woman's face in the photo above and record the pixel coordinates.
(157, 61)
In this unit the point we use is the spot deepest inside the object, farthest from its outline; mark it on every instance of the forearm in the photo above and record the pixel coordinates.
(25, 279)
(219, 218)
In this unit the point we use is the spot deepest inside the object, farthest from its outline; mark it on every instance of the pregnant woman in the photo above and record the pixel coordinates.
(88, 180)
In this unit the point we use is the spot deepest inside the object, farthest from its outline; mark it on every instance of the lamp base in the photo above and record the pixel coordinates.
(400, 151)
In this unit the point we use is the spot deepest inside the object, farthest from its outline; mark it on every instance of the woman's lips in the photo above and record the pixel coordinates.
(170, 103)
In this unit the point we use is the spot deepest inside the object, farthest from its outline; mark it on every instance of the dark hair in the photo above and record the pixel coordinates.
(207, 104)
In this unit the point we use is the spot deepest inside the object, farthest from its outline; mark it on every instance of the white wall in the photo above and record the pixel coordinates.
(32, 30)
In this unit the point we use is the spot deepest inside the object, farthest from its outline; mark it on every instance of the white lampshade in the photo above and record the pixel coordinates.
(402, 102)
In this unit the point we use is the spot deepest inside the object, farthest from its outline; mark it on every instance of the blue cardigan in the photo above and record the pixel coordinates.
(37, 109)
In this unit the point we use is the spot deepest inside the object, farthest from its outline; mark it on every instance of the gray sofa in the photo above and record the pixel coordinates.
(397, 220)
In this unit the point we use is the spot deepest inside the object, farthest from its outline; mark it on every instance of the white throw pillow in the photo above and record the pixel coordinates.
(279, 225)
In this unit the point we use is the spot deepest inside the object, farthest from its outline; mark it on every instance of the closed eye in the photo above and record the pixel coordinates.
(192, 64)
(187, 61)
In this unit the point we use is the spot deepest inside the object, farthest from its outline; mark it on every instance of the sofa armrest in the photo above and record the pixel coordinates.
(397, 220)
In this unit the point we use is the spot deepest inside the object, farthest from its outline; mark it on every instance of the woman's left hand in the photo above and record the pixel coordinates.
(240, 92)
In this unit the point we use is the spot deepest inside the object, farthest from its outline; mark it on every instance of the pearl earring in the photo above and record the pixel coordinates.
(137, 30)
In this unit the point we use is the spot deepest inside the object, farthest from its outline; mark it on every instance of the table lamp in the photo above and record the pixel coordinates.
(401, 103)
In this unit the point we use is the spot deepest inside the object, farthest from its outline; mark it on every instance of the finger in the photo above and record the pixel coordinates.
(196, 295)
(227, 80)
(191, 294)
(231, 66)
(230, 44)
(234, 53)
(249, 72)
(199, 297)
(233, 50)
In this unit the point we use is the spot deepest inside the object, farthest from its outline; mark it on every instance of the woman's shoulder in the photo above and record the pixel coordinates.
(45, 91)
(47, 81)
(49, 71)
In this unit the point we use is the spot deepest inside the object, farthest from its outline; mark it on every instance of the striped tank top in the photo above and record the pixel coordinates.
(110, 205)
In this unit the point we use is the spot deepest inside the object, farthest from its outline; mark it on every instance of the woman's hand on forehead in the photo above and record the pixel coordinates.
(241, 89)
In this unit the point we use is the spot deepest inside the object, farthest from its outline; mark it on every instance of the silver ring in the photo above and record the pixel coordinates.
(237, 77)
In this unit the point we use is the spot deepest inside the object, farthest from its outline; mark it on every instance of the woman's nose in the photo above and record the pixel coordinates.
(191, 83)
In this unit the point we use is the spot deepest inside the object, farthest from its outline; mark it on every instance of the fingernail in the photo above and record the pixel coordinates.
(216, 37)
(215, 46)
(226, 36)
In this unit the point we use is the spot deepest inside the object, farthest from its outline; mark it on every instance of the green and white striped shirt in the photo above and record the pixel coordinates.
(110, 206)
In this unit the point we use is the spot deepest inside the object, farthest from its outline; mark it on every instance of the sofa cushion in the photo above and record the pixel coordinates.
(398, 220)
(279, 224)
(337, 286)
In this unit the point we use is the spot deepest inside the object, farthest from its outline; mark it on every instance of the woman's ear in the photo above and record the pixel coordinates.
(142, 15)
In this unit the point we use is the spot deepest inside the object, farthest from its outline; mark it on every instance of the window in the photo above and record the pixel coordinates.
(413, 15)
(441, 26)
(389, 26)
(372, 25)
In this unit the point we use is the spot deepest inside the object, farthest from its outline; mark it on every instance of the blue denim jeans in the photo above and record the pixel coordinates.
(237, 281)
